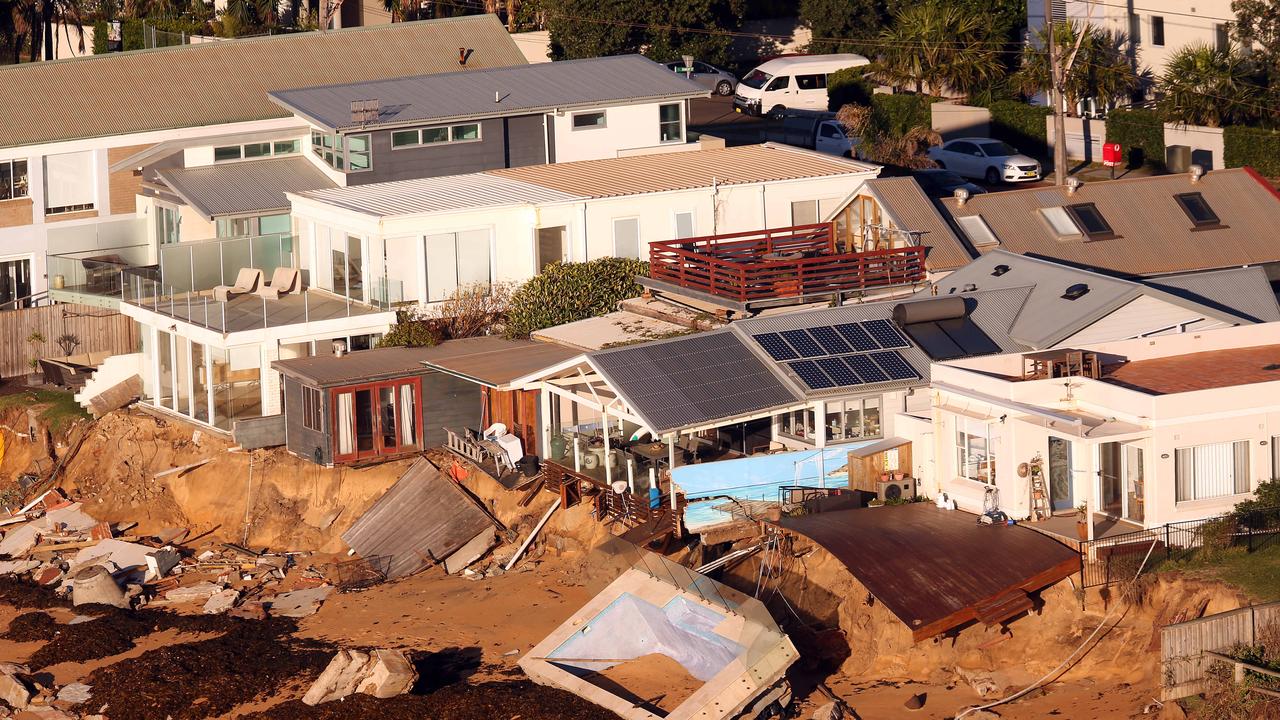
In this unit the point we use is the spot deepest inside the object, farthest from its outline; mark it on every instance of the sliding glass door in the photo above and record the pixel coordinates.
(1060, 490)
(1123, 475)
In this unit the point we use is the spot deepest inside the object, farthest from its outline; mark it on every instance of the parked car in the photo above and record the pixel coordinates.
(815, 131)
(940, 183)
(721, 82)
(794, 82)
(985, 159)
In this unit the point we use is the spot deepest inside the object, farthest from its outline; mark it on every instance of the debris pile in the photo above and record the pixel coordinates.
(381, 673)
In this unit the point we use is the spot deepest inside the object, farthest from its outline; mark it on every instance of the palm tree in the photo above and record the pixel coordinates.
(1103, 67)
(938, 45)
(1202, 85)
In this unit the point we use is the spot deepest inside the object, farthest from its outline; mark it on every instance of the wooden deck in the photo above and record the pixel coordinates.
(937, 570)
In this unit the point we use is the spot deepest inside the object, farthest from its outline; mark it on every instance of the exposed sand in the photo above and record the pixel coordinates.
(652, 681)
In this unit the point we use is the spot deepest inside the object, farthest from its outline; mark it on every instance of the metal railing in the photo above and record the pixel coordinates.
(1117, 558)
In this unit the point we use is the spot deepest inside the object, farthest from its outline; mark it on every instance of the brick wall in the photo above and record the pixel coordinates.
(124, 185)
(60, 217)
(15, 213)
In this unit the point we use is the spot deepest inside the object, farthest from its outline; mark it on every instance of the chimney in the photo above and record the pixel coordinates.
(1197, 172)
(962, 196)
(339, 348)
(464, 54)
(1073, 185)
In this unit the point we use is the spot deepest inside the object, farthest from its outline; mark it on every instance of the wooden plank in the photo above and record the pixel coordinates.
(97, 330)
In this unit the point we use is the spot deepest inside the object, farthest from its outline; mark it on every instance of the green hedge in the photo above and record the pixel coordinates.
(848, 87)
(100, 32)
(131, 34)
(1255, 147)
(1021, 125)
(565, 292)
(1140, 134)
(894, 115)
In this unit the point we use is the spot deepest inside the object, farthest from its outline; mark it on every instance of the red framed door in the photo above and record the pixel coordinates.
(376, 419)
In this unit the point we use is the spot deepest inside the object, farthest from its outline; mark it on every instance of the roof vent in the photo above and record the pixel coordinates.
(970, 287)
(999, 270)
(339, 348)
(365, 111)
(1197, 172)
(1075, 292)
(1074, 185)
(962, 196)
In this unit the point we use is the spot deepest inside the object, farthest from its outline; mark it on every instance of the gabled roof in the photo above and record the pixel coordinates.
(1243, 291)
(493, 92)
(252, 186)
(227, 82)
(911, 209)
(1049, 316)
(436, 194)
(1153, 234)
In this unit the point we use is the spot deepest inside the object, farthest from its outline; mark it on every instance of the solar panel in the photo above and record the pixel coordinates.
(934, 341)
(839, 371)
(857, 337)
(886, 334)
(812, 376)
(969, 336)
(804, 344)
(895, 366)
(830, 340)
(777, 348)
(867, 370)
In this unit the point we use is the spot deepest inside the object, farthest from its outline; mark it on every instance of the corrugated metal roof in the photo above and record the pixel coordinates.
(912, 210)
(745, 164)
(590, 82)
(688, 381)
(244, 187)
(496, 361)
(1154, 235)
(1243, 291)
(437, 194)
(225, 82)
(376, 364)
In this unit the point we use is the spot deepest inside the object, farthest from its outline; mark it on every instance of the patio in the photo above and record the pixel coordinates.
(1063, 527)
(251, 312)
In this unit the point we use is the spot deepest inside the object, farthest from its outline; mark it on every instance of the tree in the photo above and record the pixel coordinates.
(1257, 30)
(938, 45)
(1202, 85)
(699, 22)
(886, 142)
(834, 20)
(591, 28)
(660, 29)
(1097, 64)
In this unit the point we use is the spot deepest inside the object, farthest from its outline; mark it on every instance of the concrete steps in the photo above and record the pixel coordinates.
(116, 381)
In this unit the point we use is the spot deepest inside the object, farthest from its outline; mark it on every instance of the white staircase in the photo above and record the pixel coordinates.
(114, 371)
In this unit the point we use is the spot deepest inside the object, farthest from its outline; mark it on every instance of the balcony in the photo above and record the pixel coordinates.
(785, 266)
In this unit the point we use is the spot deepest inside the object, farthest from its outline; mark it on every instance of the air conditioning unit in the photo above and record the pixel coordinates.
(902, 488)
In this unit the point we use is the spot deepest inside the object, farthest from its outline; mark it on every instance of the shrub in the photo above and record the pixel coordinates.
(412, 330)
(848, 86)
(1021, 125)
(101, 31)
(896, 115)
(1140, 134)
(131, 34)
(565, 292)
(1255, 147)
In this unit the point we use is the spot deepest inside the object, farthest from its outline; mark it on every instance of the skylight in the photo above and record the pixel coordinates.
(1090, 221)
(978, 231)
(1058, 219)
(1197, 208)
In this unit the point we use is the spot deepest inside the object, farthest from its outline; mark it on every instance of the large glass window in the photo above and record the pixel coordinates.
(69, 182)
(457, 260)
(168, 224)
(252, 151)
(671, 122)
(853, 419)
(798, 424)
(13, 179)
(434, 135)
(588, 120)
(347, 258)
(974, 457)
(1209, 471)
(359, 153)
(312, 409)
(236, 378)
(626, 237)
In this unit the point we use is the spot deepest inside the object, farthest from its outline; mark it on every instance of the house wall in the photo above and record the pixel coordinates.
(504, 142)
(626, 127)
(300, 440)
(1139, 317)
(448, 401)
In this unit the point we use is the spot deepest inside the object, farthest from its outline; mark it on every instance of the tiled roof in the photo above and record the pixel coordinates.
(912, 210)
(244, 187)
(226, 82)
(541, 87)
(1152, 233)
(1199, 371)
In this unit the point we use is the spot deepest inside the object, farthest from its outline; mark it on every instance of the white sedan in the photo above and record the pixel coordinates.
(985, 159)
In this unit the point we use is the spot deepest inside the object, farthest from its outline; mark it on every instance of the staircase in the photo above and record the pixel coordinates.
(117, 381)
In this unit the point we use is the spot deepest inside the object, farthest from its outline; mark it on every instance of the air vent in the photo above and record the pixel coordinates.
(999, 270)
(1075, 292)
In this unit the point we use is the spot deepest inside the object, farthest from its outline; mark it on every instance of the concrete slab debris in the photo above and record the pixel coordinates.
(17, 567)
(14, 691)
(221, 602)
(249, 611)
(94, 585)
(339, 679)
(160, 562)
(472, 551)
(75, 693)
(169, 536)
(390, 674)
(128, 560)
(199, 592)
(298, 603)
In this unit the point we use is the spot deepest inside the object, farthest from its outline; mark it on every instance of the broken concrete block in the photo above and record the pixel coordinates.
(340, 678)
(299, 603)
(221, 602)
(94, 585)
(199, 592)
(390, 674)
(17, 567)
(475, 549)
(168, 536)
(160, 562)
(829, 711)
(75, 693)
(14, 691)
(249, 611)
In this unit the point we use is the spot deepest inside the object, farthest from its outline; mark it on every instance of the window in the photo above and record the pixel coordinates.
(1209, 471)
(963, 148)
(312, 416)
(1157, 30)
(168, 225)
(1222, 38)
(811, 82)
(998, 149)
(804, 212)
(977, 230)
(287, 147)
(457, 260)
(434, 135)
(798, 424)
(230, 227)
(1090, 221)
(69, 182)
(1198, 210)
(853, 419)
(974, 451)
(588, 120)
(626, 237)
(552, 246)
(684, 225)
(756, 79)
(253, 151)
(359, 153)
(779, 83)
(671, 123)
(13, 179)
(464, 133)
(231, 152)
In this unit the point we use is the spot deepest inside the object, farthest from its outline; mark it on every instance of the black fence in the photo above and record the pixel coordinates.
(1118, 558)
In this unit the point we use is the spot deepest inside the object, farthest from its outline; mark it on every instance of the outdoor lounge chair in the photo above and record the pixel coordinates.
(247, 280)
(284, 280)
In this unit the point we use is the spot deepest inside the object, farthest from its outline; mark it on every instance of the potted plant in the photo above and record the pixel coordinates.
(1082, 521)
(35, 340)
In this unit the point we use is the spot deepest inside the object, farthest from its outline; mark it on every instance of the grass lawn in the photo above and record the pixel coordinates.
(1257, 573)
(59, 407)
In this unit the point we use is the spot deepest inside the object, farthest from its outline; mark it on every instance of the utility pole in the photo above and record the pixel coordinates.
(1055, 96)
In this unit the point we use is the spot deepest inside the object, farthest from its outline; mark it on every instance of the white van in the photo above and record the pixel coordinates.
(795, 82)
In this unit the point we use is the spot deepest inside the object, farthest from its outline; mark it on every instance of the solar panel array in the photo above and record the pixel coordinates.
(830, 356)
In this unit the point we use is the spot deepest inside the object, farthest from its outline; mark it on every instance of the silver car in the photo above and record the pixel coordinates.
(985, 159)
(711, 77)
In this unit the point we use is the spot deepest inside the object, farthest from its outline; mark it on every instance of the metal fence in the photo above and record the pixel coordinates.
(1183, 663)
(1117, 558)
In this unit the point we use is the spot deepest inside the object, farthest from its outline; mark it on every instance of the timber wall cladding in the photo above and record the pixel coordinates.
(97, 329)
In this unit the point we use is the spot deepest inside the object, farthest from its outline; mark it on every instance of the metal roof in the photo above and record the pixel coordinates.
(358, 366)
(227, 82)
(542, 87)
(692, 380)
(1047, 317)
(495, 361)
(911, 209)
(437, 194)
(1153, 234)
(237, 188)
(1243, 291)
(664, 172)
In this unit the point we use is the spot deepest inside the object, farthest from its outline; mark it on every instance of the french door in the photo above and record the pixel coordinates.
(376, 419)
